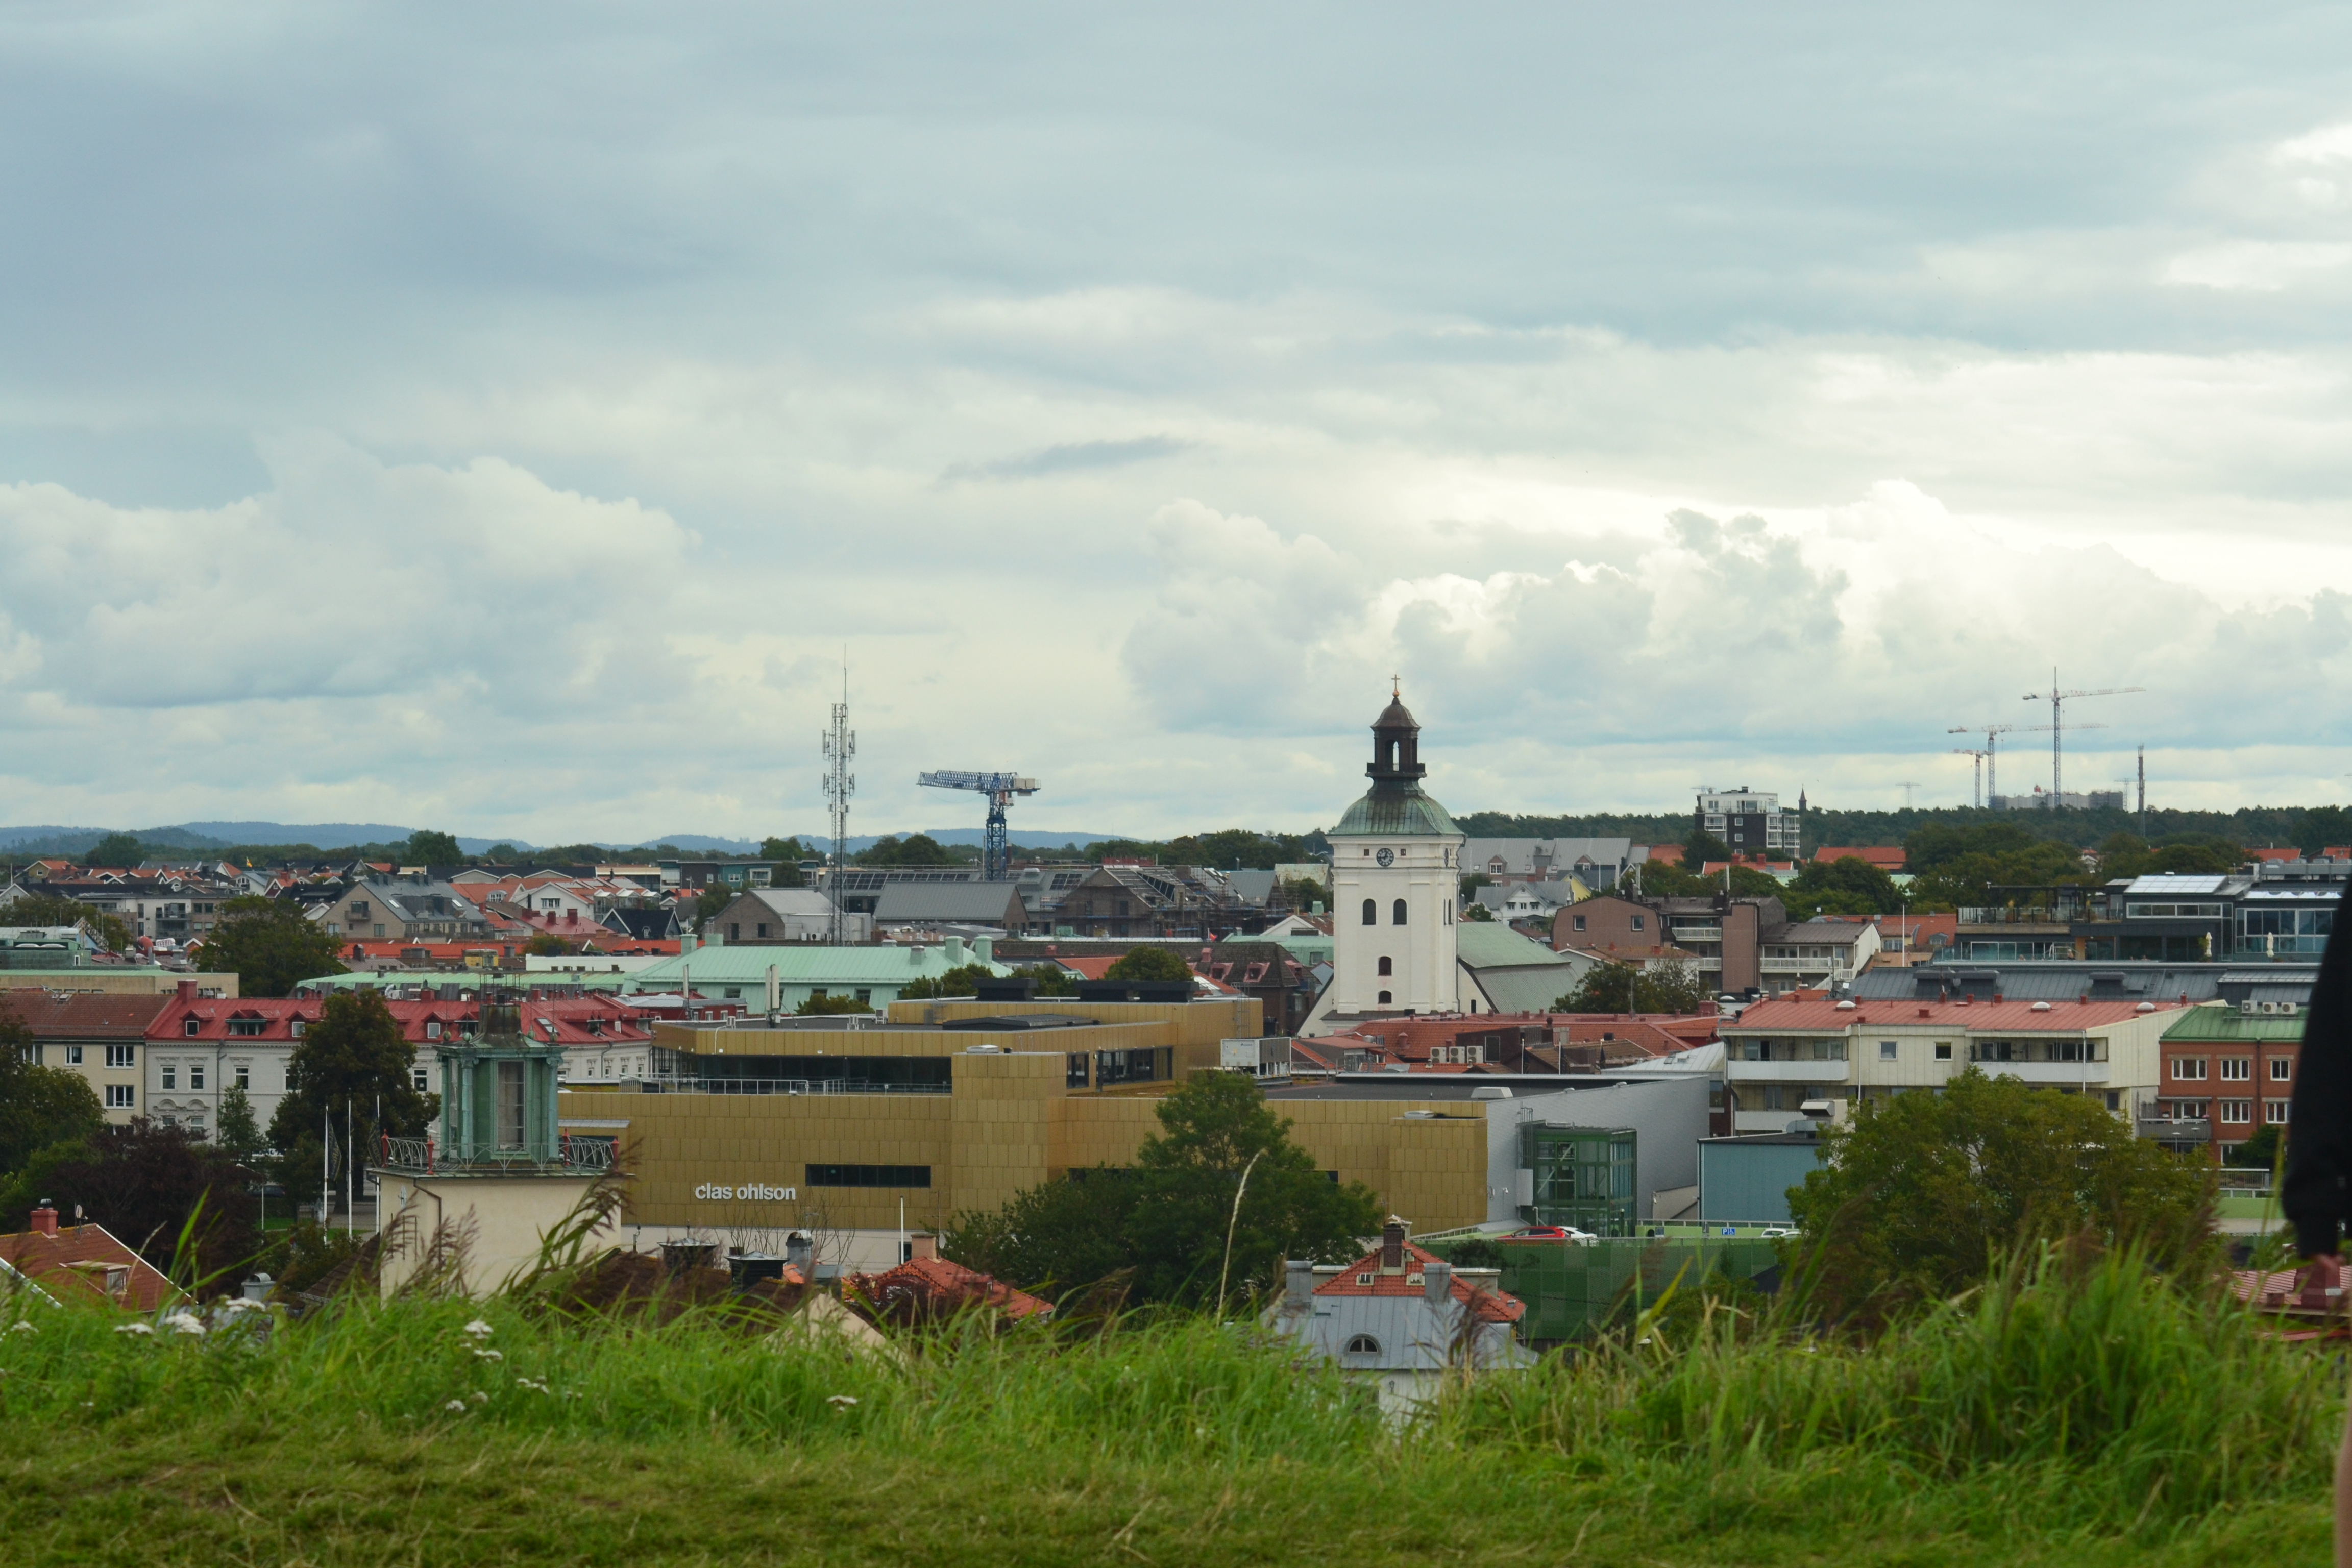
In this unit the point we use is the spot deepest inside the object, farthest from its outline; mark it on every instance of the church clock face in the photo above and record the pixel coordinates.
(1386, 856)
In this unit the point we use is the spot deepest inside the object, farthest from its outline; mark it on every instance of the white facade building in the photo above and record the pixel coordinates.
(1395, 875)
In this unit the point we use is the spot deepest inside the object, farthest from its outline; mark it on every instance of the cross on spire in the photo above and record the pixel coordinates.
(1396, 687)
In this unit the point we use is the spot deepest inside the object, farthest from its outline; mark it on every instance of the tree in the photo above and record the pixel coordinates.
(1620, 988)
(2323, 828)
(1848, 886)
(238, 1134)
(427, 848)
(788, 854)
(53, 909)
(1052, 979)
(39, 1106)
(501, 854)
(1141, 965)
(119, 850)
(962, 981)
(1916, 1198)
(351, 1060)
(1168, 1217)
(272, 945)
(1701, 848)
(916, 849)
(713, 898)
(2260, 1153)
(149, 1184)
(819, 1004)
(1302, 894)
(1479, 914)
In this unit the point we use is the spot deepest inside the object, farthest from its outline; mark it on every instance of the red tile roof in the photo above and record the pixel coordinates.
(49, 1262)
(923, 1287)
(65, 1015)
(1812, 1011)
(1885, 857)
(275, 1016)
(1493, 1305)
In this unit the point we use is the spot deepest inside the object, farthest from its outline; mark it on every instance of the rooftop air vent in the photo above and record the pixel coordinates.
(2145, 1007)
(1845, 1006)
(2041, 1006)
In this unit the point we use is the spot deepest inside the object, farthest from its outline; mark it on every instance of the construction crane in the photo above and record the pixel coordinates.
(1993, 734)
(1000, 788)
(1976, 785)
(2057, 701)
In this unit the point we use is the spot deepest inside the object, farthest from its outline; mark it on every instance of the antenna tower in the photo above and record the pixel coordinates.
(1908, 785)
(840, 784)
(2143, 794)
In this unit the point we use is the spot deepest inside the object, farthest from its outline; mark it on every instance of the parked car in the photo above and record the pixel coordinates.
(1553, 1233)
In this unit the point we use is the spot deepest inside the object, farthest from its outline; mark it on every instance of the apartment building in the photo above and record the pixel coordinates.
(1809, 1048)
(1750, 821)
(101, 1037)
(2227, 1073)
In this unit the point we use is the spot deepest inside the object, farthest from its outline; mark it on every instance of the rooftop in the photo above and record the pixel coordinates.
(1815, 1012)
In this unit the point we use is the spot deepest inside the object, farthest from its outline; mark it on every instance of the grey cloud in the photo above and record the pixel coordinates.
(1067, 458)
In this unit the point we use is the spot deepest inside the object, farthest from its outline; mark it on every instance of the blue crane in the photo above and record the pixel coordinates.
(1000, 788)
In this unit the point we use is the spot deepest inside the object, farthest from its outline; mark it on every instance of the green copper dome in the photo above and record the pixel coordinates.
(1395, 806)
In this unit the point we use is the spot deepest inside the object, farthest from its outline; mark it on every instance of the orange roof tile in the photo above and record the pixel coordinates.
(1364, 1278)
(50, 1261)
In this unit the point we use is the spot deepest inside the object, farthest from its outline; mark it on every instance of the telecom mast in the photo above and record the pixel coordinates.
(840, 784)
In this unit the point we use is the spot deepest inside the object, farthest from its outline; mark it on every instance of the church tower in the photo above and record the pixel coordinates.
(1395, 870)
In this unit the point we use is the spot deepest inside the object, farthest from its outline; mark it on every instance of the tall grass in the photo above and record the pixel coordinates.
(2078, 1395)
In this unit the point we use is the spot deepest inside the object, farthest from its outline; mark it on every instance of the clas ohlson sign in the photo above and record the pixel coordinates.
(746, 1192)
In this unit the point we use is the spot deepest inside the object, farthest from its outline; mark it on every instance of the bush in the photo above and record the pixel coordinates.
(1147, 964)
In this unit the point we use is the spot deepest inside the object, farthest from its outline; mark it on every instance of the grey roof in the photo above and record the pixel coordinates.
(1253, 887)
(2175, 882)
(979, 903)
(2062, 979)
(1394, 811)
(806, 902)
(414, 901)
(1840, 932)
(1519, 854)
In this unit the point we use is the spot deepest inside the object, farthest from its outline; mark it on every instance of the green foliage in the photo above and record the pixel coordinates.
(1920, 1194)
(502, 854)
(56, 910)
(2259, 1153)
(35, 1181)
(788, 854)
(1478, 912)
(352, 1058)
(710, 899)
(546, 944)
(1701, 848)
(1168, 1219)
(960, 981)
(39, 1106)
(427, 848)
(2100, 1417)
(300, 1257)
(1850, 886)
(1052, 979)
(2123, 854)
(1139, 964)
(915, 850)
(819, 1006)
(1622, 988)
(2323, 828)
(238, 1135)
(116, 851)
(1961, 866)
(1224, 850)
(164, 1192)
(1301, 895)
(271, 944)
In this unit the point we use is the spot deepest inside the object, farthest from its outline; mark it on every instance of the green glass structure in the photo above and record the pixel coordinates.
(1583, 1176)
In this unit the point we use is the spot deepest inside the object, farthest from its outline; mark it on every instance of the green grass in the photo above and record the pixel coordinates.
(2093, 1420)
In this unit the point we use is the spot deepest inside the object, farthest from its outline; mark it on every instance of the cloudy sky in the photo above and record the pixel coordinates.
(503, 418)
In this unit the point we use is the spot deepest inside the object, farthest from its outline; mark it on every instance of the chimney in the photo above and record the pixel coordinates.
(187, 990)
(798, 1254)
(1298, 1284)
(1436, 1280)
(983, 950)
(921, 1245)
(1392, 1236)
(45, 1219)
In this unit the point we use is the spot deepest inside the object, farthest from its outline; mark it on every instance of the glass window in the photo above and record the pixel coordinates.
(2275, 1111)
(1386, 967)
(2281, 1068)
(2237, 1111)
(190, 1027)
(196, 1075)
(509, 1105)
(73, 1056)
(119, 1097)
(170, 1075)
(1396, 913)
(244, 1076)
(1637, 922)
(1363, 1345)
(2237, 1067)
(1372, 912)
(1886, 1050)
(2188, 1069)
(1943, 1050)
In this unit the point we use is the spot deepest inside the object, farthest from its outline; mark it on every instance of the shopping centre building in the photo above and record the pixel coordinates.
(755, 1128)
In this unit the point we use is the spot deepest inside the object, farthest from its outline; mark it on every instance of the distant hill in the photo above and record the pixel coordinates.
(54, 839)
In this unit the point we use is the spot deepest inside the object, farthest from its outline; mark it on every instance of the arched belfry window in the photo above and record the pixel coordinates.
(1363, 1345)
(1371, 912)
(1396, 916)
(1386, 967)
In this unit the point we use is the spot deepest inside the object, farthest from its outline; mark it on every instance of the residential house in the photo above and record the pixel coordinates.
(1598, 863)
(1120, 899)
(766, 979)
(98, 1037)
(84, 1263)
(1402, 1316)
(928, 1288)
(1267, 971)
(1828, 952)
(1724, 936)
(1749, 821)
(1503, 972)
(1890, 859)
(2227, 1073)
(385, 907)
(1810, 1049)
(785, 914)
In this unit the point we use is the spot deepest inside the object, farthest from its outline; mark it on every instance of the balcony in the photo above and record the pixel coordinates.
(426, 1156)
(1809, 1071)
(1698, 933)
(1823, 965)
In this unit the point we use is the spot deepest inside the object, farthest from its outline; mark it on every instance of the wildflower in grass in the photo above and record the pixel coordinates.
(132, 1329)
(22, 1327)
(186, 1322)
(530, 1384)
(479, 1328)
(458, 1405)
(489, 1355)
(479, 1397)
(841, 1401)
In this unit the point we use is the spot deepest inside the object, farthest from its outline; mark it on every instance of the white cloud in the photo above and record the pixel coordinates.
(2261, 266)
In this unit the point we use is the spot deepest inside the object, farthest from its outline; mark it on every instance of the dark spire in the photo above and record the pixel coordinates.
(1396, 744)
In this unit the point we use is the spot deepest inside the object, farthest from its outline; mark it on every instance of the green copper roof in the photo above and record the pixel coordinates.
(1387, 811)
(2224, 1025)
